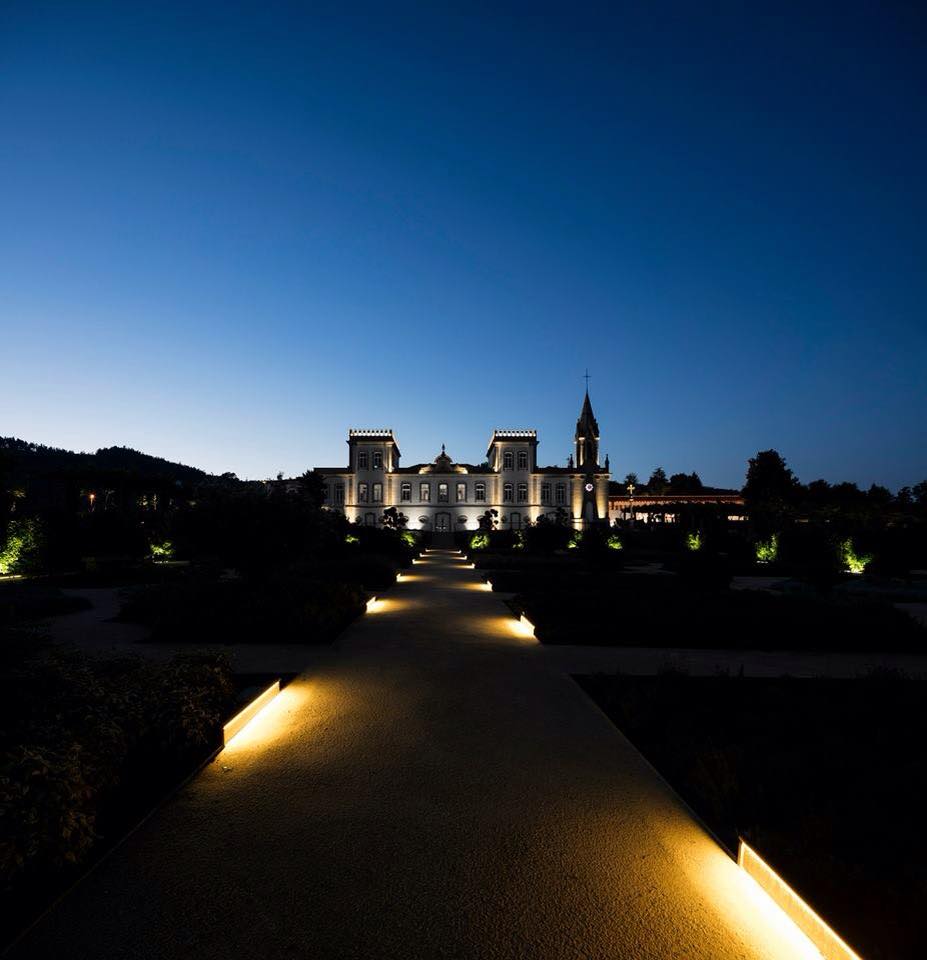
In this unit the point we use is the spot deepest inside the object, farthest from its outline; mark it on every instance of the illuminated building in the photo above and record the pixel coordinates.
(445, 495)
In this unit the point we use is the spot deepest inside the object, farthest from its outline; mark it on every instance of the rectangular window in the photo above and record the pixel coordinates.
(508, 460)
(405, 493)
(479, 493)
(442, 493)
(545, 493)
(507, 492)
(362, 493)
(561, 494)
(377, 460)
(424, 492)
(523, 493)
(461, 492)
(339, 494)
(378, 493)
(362, 460)
(522, 459)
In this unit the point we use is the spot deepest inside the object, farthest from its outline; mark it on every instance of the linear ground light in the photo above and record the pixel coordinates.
(825, 940)
(245, 716)
(523, 627)
(372, 604)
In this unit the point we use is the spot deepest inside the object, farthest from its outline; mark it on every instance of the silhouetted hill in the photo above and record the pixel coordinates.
(23, 460)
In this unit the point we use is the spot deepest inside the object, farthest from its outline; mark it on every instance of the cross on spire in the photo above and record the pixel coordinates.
(586, 378)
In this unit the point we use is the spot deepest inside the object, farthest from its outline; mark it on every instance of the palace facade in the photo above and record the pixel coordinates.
(445, 495)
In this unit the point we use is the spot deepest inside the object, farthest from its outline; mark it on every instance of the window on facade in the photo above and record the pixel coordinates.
(377, 460)
(507, 492)
(442, 493)
(479, 493)
(328, 493)
(339, 494)
(405, 493)
(508, 460)
(378, 493)
(424, 492)
(523, 493)
(545, 493)
(561, 493)
(522, 459)
(461, 492)
(362, 493)
(362, 460)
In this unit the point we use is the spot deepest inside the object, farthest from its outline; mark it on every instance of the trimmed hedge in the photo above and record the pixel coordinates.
(283, 609)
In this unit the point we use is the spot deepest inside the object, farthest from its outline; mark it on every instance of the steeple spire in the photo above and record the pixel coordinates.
(586, 438)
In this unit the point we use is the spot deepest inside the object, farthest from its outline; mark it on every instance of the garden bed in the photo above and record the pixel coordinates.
(824, 778)
(641, 610)
(87, 748)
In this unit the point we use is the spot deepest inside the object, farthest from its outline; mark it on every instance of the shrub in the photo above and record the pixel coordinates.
(767, 551)
(22, 547)
(853, 562)
(76, 733)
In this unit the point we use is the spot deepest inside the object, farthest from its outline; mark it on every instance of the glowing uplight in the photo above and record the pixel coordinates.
(524, 627)
(830, 945)
(373, 605)
(245, 716)
(489, 584)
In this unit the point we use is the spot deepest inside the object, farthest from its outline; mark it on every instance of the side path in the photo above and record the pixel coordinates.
(439, 788)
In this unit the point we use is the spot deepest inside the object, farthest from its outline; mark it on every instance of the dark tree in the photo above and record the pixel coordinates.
(658, 482)
(392, 519)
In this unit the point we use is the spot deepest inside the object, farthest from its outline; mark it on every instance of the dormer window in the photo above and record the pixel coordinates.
(508, 460)
(377, 460)
(522, 459)
(362, 460)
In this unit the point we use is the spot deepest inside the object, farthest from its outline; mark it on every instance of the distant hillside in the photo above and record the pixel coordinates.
(21, 459)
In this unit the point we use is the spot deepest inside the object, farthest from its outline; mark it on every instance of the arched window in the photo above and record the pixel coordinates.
(442, 493)
(405, 492)
(523, 493)
(508, 460)
(479, 492)
(507, 492)
(378, 493)
(522, 459)
(424, 492)
(377, 460)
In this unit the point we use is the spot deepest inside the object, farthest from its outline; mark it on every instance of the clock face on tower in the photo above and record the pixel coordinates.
(589, 488)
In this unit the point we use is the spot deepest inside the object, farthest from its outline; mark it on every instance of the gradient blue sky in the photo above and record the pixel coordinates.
(231, 231)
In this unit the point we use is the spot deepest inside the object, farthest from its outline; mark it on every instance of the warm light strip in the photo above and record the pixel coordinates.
(242, 719)
(811, 925)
